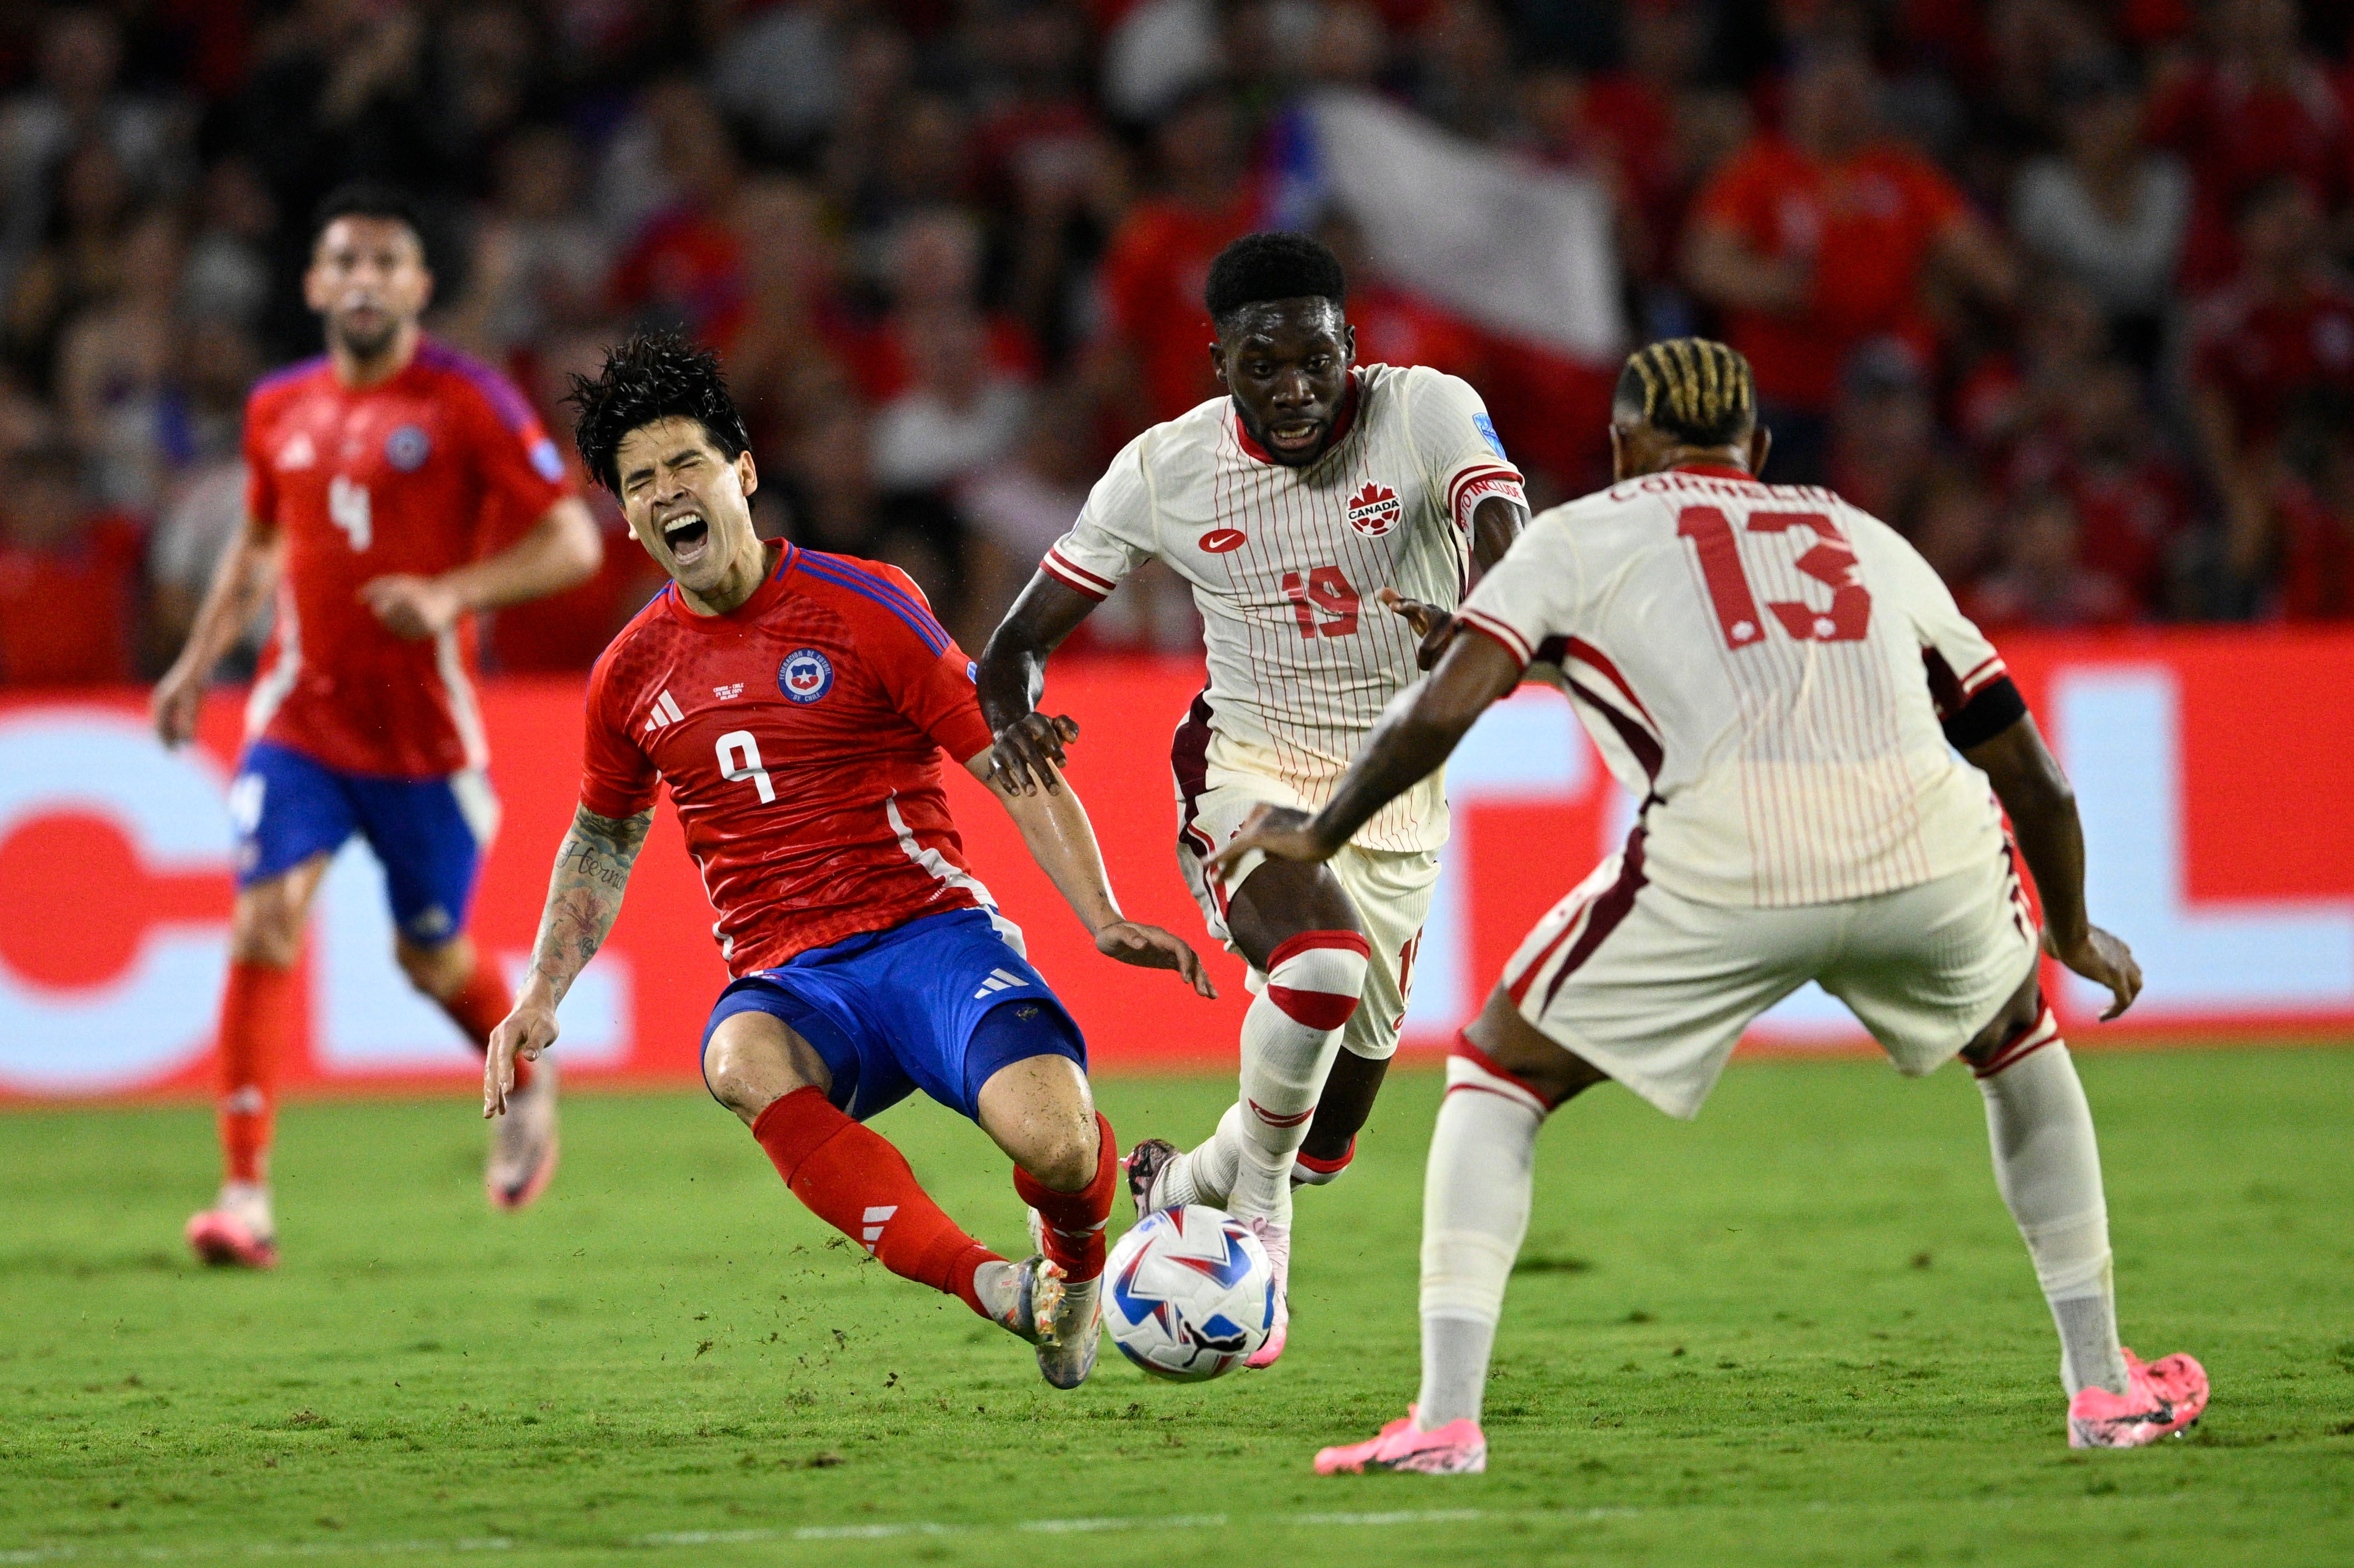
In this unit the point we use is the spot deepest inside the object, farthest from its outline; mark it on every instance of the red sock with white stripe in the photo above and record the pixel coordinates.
(2047, 1164)
(1475, 1211)
(1289, 1037)
(1074, 1228)
(479, 1006)
(257, 1020)
(856, 1181)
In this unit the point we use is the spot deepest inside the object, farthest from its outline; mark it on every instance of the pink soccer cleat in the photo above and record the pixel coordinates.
(2161, 1399)
(1277, 1240)
(1457, 1448)
(223, 1240)
(522, 1161)
(1144, 1166)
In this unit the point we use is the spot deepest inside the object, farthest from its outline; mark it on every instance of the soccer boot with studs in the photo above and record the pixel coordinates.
(2162, 1399)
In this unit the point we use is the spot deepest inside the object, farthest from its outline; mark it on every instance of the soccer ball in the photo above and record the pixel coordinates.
(1188, 1293)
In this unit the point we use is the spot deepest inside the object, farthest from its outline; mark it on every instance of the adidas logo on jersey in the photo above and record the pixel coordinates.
(1374, 511)
(297, 453)
(998, 981)
(665, 712)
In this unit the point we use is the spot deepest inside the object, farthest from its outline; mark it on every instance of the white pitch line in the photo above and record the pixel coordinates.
(694, 1538)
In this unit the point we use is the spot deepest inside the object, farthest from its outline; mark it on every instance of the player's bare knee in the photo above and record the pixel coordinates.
(1064, 1155)
(266, 929)
(2018, 1016)
(1518, 1049)
(753, 1061)
(437, 970)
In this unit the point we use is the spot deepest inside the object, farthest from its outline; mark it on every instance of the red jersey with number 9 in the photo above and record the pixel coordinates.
(434, 467)
(801, 736)
(1768, 668)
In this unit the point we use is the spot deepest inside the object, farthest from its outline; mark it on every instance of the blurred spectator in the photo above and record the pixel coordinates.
(228, 275)
(2109, 214)
(1159, 262)
(780, 74)
(76, 102)
(2132, 501)
(113, 364)
(78, 265)
(183, 551)
(685, 270)
(539, 264)
(1883, 440)
(68, 578)
(2313, 515)
(1955, 529)
(2283, 332)
(1818, 238)
(2258, 110)
(958, 413)
(2042, 578)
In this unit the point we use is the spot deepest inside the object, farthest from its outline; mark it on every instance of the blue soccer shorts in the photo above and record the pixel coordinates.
(428, 834)
(938, 1005)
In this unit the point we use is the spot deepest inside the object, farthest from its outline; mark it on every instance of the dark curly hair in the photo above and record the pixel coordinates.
(1258, 268)
(654, 375)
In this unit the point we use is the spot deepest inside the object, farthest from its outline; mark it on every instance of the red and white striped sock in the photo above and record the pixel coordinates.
(856, 1181)
(1289, 1037)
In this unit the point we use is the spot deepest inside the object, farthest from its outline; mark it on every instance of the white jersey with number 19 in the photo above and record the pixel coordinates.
(1285, 565)
(1764, 666)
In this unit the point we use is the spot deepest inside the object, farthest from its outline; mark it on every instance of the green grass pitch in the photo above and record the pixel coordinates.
(1800, 1331)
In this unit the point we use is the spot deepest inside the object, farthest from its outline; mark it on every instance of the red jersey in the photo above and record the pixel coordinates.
(1867, 223)
(799, 734)
(1153, 274)
(420, 473)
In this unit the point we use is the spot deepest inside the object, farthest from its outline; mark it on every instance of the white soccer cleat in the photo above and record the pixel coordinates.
(1277, 1240)
(522, 1160)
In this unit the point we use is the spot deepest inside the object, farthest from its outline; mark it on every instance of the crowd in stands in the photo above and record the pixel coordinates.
(2054, 286)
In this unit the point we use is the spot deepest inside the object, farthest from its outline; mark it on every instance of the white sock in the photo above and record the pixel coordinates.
(1205, 1172)
(1475, 1211)
(2047, 1164)
(1289, 1037)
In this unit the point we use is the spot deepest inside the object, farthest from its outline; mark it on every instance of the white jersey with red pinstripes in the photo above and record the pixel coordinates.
(1285, 565)
(1766, 665)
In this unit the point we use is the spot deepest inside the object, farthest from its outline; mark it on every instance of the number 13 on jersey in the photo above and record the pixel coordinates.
(1829, 561)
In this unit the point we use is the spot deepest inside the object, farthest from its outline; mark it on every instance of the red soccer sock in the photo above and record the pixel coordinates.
(478, 1006)
(257, 1016)
(856, 1181)
(1075, 1221)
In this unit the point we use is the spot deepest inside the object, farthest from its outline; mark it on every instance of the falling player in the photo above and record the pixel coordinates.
(377, 474)
(1293, 504)
(1749, 659)
(796, 704)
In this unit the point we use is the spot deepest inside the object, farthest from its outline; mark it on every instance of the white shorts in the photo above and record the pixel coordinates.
(1656, 989)
(1392, 890)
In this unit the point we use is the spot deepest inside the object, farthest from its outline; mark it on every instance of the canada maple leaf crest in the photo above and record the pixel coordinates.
(1374, 510)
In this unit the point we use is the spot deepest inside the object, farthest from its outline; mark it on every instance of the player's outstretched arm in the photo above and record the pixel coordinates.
(2027, 781)
(1419, 731)
(1011, 675)
(562, 550)
(584, 895)
(1063, 842)
(242, 584)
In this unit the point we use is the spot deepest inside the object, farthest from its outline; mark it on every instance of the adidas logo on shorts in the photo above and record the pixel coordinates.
(998, 981)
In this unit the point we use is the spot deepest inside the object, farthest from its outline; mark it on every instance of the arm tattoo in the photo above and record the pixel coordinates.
(583, 895)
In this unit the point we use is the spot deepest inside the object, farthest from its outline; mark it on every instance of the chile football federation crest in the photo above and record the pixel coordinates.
(805, 675)
(408, 447)
(1374, 510)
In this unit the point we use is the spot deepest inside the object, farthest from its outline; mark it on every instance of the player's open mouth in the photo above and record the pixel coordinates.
(1298, 437)
(685, 537)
